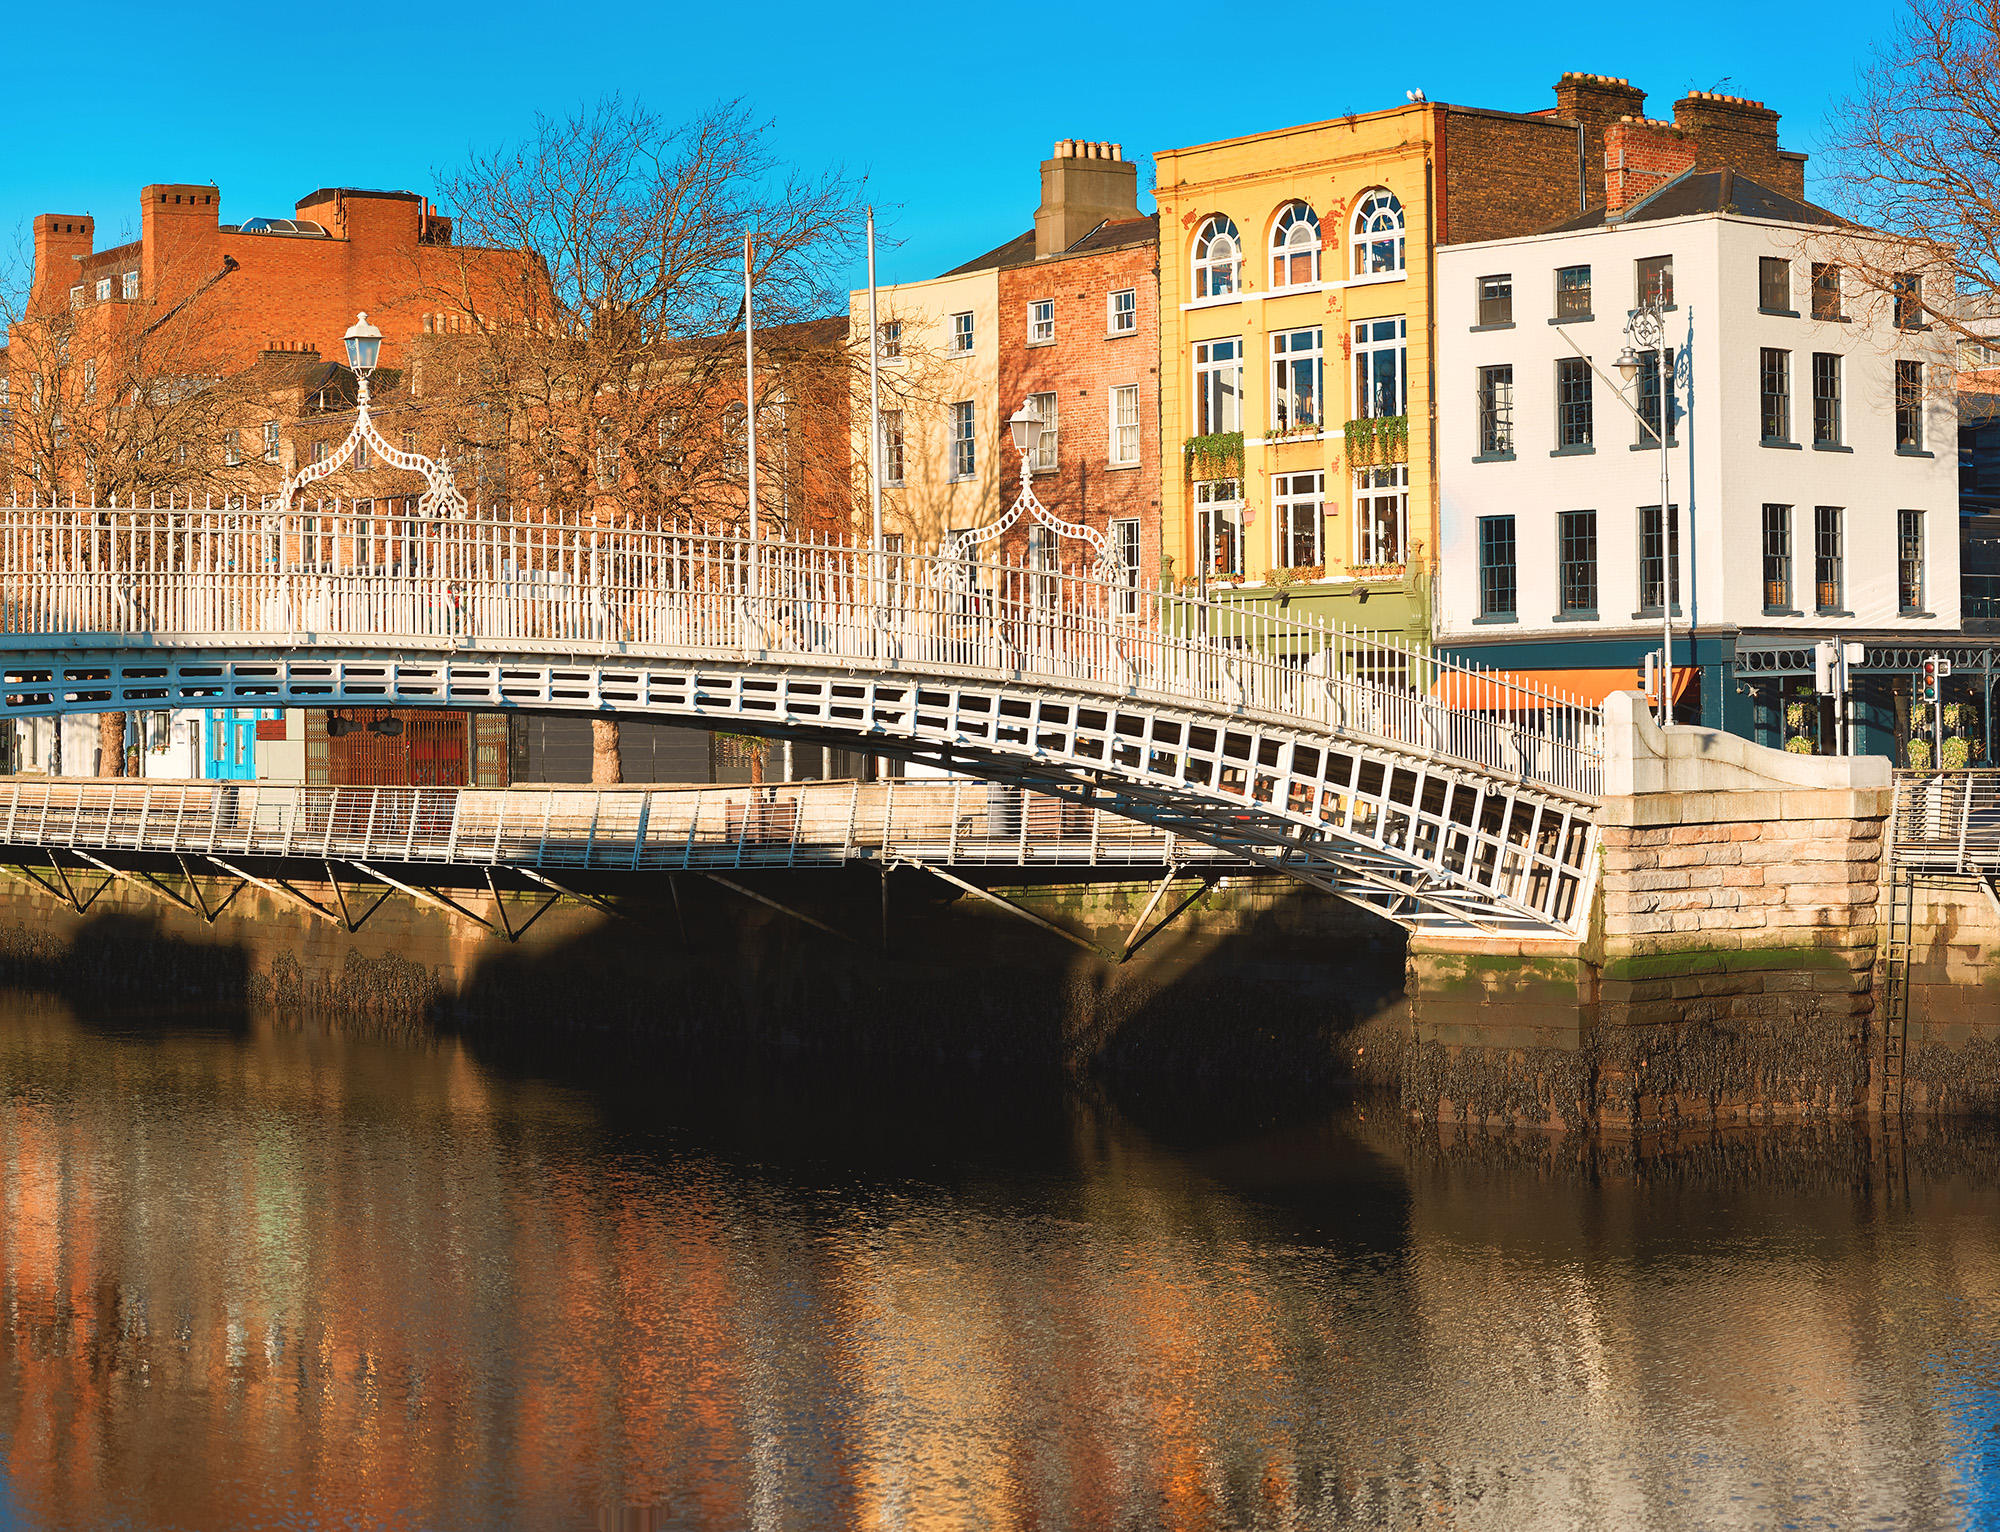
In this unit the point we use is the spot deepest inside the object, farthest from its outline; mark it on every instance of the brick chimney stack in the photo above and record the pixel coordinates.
(61, 240)
(1734, 133)
(1084, 184)
(1641, 156)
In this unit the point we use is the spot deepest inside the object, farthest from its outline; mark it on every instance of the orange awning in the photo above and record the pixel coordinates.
(1489, 692)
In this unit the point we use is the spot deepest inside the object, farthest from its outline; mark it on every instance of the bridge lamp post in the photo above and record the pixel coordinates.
(1647, 329)
(1025, 427)
(364, 354)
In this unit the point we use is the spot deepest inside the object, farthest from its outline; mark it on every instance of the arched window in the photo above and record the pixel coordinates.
(1378, 233)
(1295, 246)
(1218, 259)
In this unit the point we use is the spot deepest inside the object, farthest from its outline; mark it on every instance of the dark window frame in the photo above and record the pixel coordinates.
(1494, 300)
(1576, 563)
(1774, 395)
(1576, 421)
(1573, 292)
(1774, 284)
(1499, 569)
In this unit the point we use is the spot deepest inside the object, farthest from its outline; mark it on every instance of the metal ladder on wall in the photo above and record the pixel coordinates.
(1896, 989)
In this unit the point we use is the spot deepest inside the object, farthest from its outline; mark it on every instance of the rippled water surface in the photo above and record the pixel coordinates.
(290, 1275)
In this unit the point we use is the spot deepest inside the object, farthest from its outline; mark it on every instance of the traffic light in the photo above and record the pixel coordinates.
(1927, 685)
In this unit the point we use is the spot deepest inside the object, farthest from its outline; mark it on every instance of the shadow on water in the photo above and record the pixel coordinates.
(127, 972)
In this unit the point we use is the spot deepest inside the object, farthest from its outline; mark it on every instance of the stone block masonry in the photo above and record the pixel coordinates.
(1729, 972)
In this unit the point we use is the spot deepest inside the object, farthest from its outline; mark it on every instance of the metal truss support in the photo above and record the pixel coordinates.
(763, 899)
(1134, 941)
(424, 896)
(563, 889)
(145, 880)
(512, 932)
(347, 917)
(209, 916)
(69, 889)
(286, 892)
(27, 875)
(1014, 909)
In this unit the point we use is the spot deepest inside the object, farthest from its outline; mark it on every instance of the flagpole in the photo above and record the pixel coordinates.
(750, 408)
(874, 404)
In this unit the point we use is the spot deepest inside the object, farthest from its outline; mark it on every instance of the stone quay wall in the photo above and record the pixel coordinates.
(1953, 1048)
(1728, 972)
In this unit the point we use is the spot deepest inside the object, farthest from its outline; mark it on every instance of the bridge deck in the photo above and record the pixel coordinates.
(626, 829)
(1437, 793)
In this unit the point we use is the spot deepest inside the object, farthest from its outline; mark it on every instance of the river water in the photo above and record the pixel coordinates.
(293, 1274)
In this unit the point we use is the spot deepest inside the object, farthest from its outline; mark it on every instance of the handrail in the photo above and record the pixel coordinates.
(620, 829)
(1946, 822)
(342, 573)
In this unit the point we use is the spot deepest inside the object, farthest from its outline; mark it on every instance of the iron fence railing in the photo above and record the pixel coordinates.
(1947, 822)
(614, 829)
(342, 574)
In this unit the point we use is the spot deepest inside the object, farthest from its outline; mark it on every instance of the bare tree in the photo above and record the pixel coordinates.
(602, 371)
(1915, 154)
(120, 398)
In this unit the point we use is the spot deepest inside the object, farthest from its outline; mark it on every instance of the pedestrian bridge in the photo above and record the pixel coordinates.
(1438, 794)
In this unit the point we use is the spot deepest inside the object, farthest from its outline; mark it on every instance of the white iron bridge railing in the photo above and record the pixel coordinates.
(344, 573)
(616, 829)
(1947, 823)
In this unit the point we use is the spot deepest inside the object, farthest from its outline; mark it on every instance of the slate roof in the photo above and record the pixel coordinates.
(1111, 234)
(1705, 192)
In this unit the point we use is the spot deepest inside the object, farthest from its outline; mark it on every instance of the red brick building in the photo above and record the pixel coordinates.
(1063, 318)
(293, 282)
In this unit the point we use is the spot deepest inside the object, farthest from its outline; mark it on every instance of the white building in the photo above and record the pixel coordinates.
(1814, 458)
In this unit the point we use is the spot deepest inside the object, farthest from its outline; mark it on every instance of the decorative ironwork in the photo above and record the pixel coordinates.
(440, 495)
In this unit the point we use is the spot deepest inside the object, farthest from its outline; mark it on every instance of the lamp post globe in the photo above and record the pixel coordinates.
(1628, 364)
(1027, 428)
(364, 345)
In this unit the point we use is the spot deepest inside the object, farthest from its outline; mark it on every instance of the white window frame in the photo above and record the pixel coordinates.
(1366, 347)
(1048, 447)
(130, 286)
(1389, 483)
(1378, 220)
(1041, 321)
(964, 336)
(1218, 524)
(104, 289)
(893, 449)
(1125, 545)
(1123, 439)
(232, 451)
(1296, 499)
(1206, 366)
(270, 441)
(77, 296)
(1217, 275)
(1113, 314)
(964, 443)
(1295, 232)
(1286, 359)
(889, 340)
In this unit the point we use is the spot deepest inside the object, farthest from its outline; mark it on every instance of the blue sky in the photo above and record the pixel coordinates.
(948, 109)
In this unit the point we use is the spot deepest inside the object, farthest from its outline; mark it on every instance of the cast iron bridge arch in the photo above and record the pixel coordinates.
(1437, 794)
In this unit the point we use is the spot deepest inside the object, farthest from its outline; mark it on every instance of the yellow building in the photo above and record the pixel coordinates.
(1295, 366)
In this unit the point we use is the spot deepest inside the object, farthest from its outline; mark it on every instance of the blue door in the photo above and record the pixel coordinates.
(229, 743)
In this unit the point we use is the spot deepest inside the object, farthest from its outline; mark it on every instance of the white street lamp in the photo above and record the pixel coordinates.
(364, 349)
(364, 354)
(1647, 328)
(1025, 426)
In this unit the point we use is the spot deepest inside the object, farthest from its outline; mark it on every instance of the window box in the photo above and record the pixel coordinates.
(1216, 456)
(1378, 439)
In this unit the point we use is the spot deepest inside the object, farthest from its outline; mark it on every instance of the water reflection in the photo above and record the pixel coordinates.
(297, 1275)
